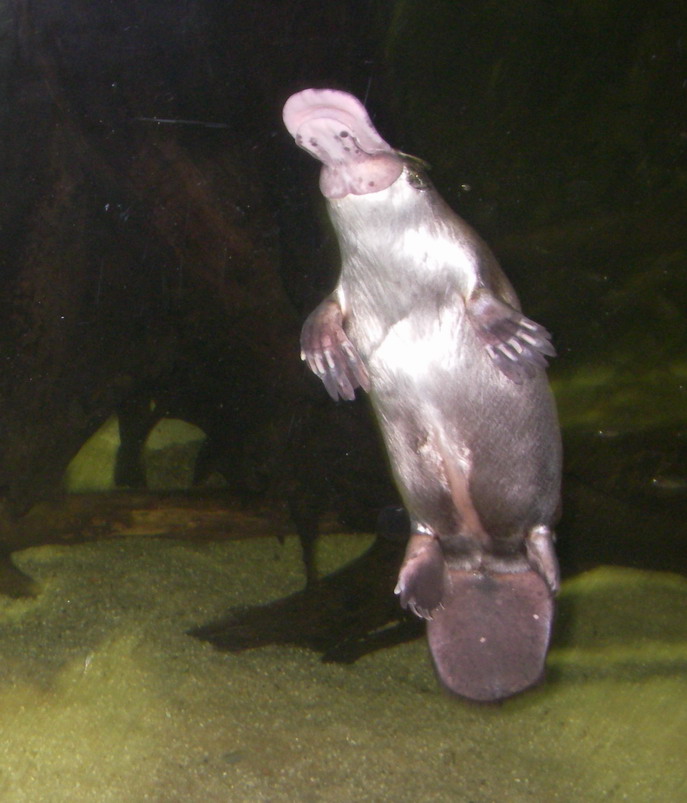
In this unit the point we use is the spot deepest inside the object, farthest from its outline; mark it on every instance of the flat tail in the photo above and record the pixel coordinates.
(490, 637)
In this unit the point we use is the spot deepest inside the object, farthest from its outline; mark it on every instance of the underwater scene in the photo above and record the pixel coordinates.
(344, 402)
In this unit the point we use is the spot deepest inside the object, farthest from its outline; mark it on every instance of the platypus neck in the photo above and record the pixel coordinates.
(385, 214)
(404, 233)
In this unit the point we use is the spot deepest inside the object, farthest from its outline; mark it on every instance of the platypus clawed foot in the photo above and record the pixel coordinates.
(330, 354)
(539, 545)
(420, 585)
(517, 345)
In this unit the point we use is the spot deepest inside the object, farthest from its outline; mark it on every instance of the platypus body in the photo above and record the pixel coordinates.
(426, 322)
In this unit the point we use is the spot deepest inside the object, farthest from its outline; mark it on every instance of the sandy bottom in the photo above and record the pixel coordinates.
(103, 697)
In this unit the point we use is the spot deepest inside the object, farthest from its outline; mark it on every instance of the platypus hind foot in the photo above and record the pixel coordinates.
(420, 585)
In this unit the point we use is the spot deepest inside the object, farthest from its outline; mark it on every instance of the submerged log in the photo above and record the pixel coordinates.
(77, 518)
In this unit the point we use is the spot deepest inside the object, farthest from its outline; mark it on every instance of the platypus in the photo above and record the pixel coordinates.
(424, 320)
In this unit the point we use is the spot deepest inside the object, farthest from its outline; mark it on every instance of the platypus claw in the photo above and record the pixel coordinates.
(517, 345)
(330, 354)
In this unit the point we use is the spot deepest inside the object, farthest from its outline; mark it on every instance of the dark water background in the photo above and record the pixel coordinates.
(162, 239)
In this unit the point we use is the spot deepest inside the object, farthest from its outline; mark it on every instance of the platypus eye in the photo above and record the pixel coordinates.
(416, 170)
(417, 179)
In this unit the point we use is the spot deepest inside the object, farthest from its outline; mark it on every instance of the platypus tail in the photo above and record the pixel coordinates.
(489, 638)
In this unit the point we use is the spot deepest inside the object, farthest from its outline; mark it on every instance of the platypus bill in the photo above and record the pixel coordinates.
(425, 321)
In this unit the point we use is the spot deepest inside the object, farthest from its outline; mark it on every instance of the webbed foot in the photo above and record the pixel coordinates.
(330, 354)
(541, 555)
(420, 585)
(517, 345)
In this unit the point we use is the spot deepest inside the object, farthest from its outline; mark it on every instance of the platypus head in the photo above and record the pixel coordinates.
(334, 127)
